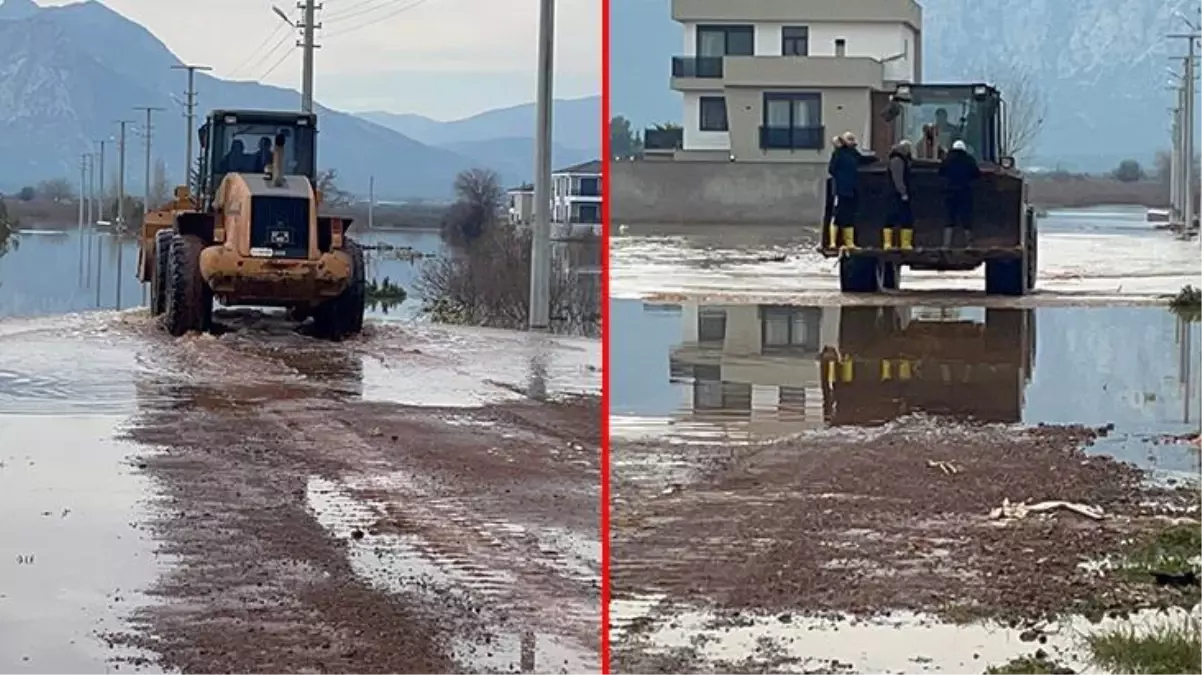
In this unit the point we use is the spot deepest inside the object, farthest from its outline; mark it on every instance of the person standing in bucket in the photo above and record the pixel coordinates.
(844, 170)
(828, 212)
(901, 214)
(959, 172)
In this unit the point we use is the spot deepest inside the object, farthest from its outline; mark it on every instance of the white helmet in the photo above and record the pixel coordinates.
(959, 145)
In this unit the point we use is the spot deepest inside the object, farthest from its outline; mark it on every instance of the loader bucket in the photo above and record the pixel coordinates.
(997, 207)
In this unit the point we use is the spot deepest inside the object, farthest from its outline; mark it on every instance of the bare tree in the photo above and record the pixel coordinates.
(1025, 107)
(56, 190)
(8, 229)
(331, 194)
(477, 208)
(160, 187)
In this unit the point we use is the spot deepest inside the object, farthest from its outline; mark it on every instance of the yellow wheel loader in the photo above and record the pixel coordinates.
(249, 232)
(1004, 229)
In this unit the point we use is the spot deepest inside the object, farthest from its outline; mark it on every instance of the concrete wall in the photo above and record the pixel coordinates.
(717, 193)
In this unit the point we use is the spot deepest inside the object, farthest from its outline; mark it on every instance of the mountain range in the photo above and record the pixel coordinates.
(63, 86)
(1100, 65)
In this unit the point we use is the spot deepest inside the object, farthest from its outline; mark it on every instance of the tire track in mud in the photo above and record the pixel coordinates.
(249, 426)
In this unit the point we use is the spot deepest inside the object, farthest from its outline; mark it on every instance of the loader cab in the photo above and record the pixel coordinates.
(968, 112)
(240, 141)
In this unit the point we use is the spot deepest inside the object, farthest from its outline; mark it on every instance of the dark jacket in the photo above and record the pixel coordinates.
(899, 173)
(958, 170)
(844, 169)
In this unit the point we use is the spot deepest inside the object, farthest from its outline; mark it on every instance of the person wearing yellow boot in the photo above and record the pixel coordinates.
(901, 215)
(844, 169)
(828, 213)
(959, 171)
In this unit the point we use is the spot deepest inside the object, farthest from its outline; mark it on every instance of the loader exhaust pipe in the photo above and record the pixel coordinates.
(277, 161)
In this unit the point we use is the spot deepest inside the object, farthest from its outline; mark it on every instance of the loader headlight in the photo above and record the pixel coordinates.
(1007, 162)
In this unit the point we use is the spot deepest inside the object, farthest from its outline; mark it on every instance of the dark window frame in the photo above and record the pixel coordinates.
(726, 30)
(701, 117)
(593, 189)
(589, 206)
(810, 141)
(800, 37)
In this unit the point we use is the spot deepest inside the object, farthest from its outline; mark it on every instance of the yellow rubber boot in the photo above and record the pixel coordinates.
(887, 238)
(907, 238)
(833, 235)
(849, 237)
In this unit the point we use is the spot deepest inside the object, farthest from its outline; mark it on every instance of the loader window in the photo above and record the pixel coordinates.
(246, 148)
(955, 113)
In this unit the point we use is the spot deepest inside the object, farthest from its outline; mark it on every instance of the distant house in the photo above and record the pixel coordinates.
(521, 205)
(576, 198)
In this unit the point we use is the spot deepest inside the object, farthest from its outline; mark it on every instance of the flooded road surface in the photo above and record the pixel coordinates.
(822, 488)
(421, 499)
(1085, 256)
(808, 482)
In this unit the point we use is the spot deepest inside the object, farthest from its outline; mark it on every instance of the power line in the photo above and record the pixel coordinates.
(363, 7)
(403, 8)
(272, 52)
(276, 65)
(262, 44)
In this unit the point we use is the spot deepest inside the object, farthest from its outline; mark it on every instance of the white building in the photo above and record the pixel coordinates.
(520, 209)
(576, 199)
(775, 79)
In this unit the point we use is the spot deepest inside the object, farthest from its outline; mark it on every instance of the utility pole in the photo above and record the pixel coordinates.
(148, 131)
(540, 256)
(100, 208)
(1189, 92)
(83, 177)
(1175, 164)
(371, 202)
(308, 29)
(120, 229)
(190, 114)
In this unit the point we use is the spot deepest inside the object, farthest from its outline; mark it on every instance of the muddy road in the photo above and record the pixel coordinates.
(809, 483)
(421, 499)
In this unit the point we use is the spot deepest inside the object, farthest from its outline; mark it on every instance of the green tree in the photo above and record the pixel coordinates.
(1129, 171)
(624, 142)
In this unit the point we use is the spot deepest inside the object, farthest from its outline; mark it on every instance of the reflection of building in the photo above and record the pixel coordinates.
(773, 80)
(781, 369)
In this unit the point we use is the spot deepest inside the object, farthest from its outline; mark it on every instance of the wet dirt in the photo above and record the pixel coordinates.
(803, 480)
(313, 523)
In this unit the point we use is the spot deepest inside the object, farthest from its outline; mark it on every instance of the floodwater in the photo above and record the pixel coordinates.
(86, 274)
(82, 552)
(1102, 255)
(722, 337)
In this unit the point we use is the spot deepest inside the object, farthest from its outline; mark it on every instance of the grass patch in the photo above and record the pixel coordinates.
(1187, 304)
(385, 292)
(1173, 550)
(1174, 647)
(1031, 664)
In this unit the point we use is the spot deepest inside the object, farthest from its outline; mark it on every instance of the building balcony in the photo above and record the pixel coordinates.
(698, 67)
(803, 71)
(792, 138)
(663, 140)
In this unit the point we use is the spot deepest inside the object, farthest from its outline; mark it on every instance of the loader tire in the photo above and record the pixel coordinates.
(858, 274)
(189, 298)
(158, 276)
(343, 316)
(1007, 276)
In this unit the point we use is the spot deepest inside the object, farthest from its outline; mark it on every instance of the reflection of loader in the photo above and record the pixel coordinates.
(251, 234)
(1004, 226)
(887, 364)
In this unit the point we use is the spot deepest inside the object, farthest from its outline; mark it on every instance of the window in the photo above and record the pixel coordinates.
(790, 329)
(589, 214)
(713, 114)
(792, 121)
(590, 187)
(711, 326)
(795, 41)
(718, 41)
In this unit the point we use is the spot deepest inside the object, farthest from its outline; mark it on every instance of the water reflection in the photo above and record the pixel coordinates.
(769, 370)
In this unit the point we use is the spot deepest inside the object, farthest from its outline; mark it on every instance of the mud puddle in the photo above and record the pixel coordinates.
(1085, 257)
(75, 560)
(734, 373)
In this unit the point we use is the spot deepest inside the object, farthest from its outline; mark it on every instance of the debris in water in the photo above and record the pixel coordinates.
(1011, 511)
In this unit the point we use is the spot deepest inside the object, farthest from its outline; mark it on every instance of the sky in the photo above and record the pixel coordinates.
(445, 59)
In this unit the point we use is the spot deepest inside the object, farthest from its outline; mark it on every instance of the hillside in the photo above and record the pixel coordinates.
(1101, 63)
(62, 86)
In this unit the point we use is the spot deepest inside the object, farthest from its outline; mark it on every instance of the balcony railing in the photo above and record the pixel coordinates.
(663, 139)
(792, 138)
(697, 66)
